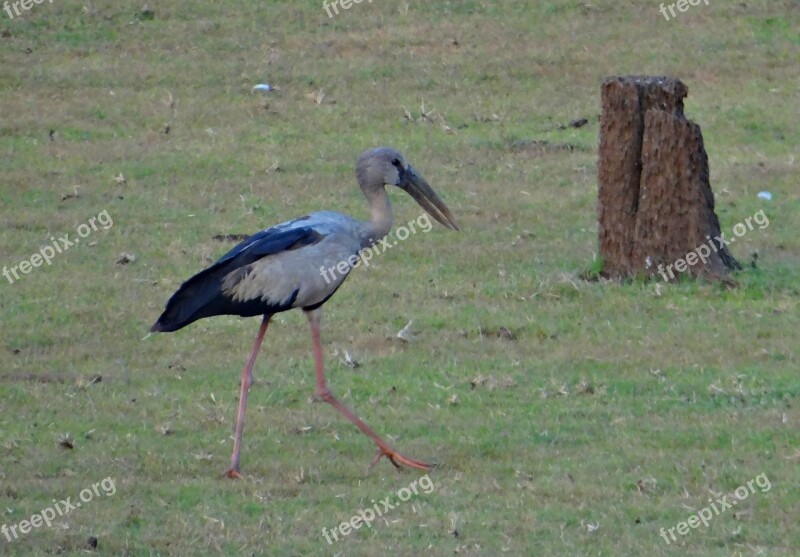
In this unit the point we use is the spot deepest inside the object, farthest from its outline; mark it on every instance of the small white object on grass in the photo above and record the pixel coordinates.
(265, 87)
(404, 334)
(349, 360)
(765, 195)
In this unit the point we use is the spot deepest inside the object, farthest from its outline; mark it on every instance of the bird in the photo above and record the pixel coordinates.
(284, 267)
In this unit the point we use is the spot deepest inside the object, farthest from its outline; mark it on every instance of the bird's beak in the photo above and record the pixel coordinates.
(423, 193)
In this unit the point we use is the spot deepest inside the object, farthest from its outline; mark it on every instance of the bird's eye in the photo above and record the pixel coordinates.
(396, 162)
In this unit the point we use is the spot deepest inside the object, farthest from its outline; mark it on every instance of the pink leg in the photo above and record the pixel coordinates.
(323, 393)
(247, 380)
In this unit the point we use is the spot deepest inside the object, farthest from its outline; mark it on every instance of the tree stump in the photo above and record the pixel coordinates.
(655, 203)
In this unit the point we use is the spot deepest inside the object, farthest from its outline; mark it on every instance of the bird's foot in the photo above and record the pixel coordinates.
(397, 459)
(233, 474)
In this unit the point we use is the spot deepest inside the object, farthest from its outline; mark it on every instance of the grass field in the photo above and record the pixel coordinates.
(567, 417)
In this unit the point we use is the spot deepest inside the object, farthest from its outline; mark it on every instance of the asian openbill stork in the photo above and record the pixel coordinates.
(281, 268)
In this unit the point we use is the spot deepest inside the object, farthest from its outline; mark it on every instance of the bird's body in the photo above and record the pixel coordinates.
(283, 267)
(331, 238)
(274, 270)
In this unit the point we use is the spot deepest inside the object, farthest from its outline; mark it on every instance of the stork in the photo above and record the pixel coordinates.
(280, 268)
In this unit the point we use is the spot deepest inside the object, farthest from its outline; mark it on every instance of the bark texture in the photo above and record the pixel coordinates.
(655, 202)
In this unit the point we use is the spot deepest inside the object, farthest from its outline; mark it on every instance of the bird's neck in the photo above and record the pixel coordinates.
(380, 221)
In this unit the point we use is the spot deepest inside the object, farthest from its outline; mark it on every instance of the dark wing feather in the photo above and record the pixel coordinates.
(201, 296)
(273, 240)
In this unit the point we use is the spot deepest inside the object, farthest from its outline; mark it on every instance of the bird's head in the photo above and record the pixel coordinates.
(384, 166)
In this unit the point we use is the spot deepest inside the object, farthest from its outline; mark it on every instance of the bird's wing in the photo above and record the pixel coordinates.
(286, 236)
(271, 271)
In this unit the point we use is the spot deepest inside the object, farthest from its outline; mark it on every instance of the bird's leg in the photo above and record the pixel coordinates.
(323, 393)
(247, 380)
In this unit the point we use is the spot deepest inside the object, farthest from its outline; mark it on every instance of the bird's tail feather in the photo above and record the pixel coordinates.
(200, 296)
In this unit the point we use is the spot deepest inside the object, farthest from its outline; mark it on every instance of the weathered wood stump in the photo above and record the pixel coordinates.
(655, 201)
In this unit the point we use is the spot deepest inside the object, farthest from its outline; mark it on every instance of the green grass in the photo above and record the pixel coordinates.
(609, 412)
